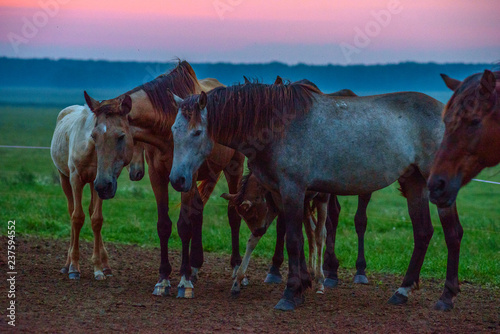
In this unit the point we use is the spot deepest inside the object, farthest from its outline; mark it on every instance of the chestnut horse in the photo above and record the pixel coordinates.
(148, 120)
(472, 137)
(258, 208)
(360, 145)
(73, 153)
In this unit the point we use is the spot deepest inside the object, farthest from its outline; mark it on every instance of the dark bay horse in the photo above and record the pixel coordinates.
(360, 145)
(148, 120)
(472, 137)
(73, 152)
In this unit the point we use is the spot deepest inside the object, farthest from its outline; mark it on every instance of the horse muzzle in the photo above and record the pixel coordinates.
(444, 190)
(106, 189)
(136, 174)
(180, 182)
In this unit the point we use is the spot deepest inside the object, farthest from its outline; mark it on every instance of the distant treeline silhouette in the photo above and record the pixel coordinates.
(88, 74)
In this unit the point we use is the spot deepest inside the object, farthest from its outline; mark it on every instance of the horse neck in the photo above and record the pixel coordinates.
(151, 126)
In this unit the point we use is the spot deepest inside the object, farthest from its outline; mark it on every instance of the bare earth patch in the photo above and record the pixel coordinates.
(47, 301)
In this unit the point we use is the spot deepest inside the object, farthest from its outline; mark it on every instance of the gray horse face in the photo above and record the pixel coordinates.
(192, 143)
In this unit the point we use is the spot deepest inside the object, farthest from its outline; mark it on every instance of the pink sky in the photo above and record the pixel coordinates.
(252, 31)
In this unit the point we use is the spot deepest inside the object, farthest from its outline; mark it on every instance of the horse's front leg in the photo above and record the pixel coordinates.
(77, 220)
(100, 256)
(159, 183)
(298, 277)
(360, 222)
(453, 233)
(240, 274)
(189, 227)
(274, 275)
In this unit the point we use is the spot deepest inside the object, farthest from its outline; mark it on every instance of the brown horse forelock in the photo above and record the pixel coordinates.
(468, 101)
(246, 109)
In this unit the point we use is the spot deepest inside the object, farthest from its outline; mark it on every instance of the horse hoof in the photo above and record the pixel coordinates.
(397, 299)
(107, 272)
(443, 306)
(74, 275)
(64, 270)
(360, 279)
(235, 292)
(245, 281)
(162, 288)
(194, 274)
(285, 305)
(321, 289)
(99, 275)
(331, 282)
(183, 292)
(273, 279)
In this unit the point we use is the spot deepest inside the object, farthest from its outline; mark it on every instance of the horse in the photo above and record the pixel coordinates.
(149, 118)
(73, 153)
(254, 212)
(258, 208)
(472, 137)
(297, 139)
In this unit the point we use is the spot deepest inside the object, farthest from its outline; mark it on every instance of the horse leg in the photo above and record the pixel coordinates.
(360, 222)
(196, 255)
(414, 188)
(320, 238)
(66, 185)
(274, 275)
(298, 277)
(189, 227)
(331, 263)
(233, 176)
(310, 226)
(453, 233)
(77, 220)
(159, 183)
(240, 274)
(99, 250)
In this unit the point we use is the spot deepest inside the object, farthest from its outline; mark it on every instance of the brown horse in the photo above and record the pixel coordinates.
(149, 119)
(73, 153)
(258, 208)
(472, 137)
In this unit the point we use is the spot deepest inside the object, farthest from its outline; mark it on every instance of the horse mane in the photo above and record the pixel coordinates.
(464, 104)
(251, 108)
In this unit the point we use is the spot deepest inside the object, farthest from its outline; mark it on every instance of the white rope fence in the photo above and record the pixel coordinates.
(48, 148)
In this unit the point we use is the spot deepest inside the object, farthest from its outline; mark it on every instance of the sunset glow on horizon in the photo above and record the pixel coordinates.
(247, 31)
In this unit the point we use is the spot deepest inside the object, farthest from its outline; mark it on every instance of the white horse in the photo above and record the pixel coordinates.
(73, 153)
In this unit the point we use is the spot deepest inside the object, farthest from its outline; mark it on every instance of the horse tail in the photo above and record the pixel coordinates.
(206, 187)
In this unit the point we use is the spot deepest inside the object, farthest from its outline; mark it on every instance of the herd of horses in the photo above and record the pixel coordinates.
(303, 147)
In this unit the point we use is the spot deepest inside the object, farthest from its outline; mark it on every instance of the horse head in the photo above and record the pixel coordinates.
(113, 140)
(471, 141)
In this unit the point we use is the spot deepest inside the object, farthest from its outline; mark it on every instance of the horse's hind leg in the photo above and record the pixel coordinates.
(100, 256)
(414, 188)
(453, 233)
(320, 239)
(66, 186)
(310, 226)
(77, 220)
(360, 222)
(331, 263)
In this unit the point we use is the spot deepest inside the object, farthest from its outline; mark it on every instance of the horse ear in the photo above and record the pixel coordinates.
(450, 82)
(487, 91)
(246, 80)
(245, 205)
(202, 100)
(93, 104)
(229, 197)
(279, 80)
(126, 105)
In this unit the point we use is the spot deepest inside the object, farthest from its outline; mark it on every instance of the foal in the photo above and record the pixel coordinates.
(73, 153)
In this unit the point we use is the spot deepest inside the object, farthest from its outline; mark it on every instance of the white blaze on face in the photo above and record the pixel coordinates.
(104, 129)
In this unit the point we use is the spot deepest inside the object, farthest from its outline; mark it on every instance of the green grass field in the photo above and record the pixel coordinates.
(30, 194)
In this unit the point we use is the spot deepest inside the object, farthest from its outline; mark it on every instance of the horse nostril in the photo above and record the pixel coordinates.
(441, 184)
(181, 180)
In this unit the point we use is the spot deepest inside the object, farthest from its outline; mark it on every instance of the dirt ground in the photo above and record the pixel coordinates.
(47, 301)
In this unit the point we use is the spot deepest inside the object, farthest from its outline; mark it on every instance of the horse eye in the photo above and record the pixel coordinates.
(121, 137)
(475, 122)
(197, 133)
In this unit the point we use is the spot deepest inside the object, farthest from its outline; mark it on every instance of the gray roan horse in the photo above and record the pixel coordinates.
(297, 139)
